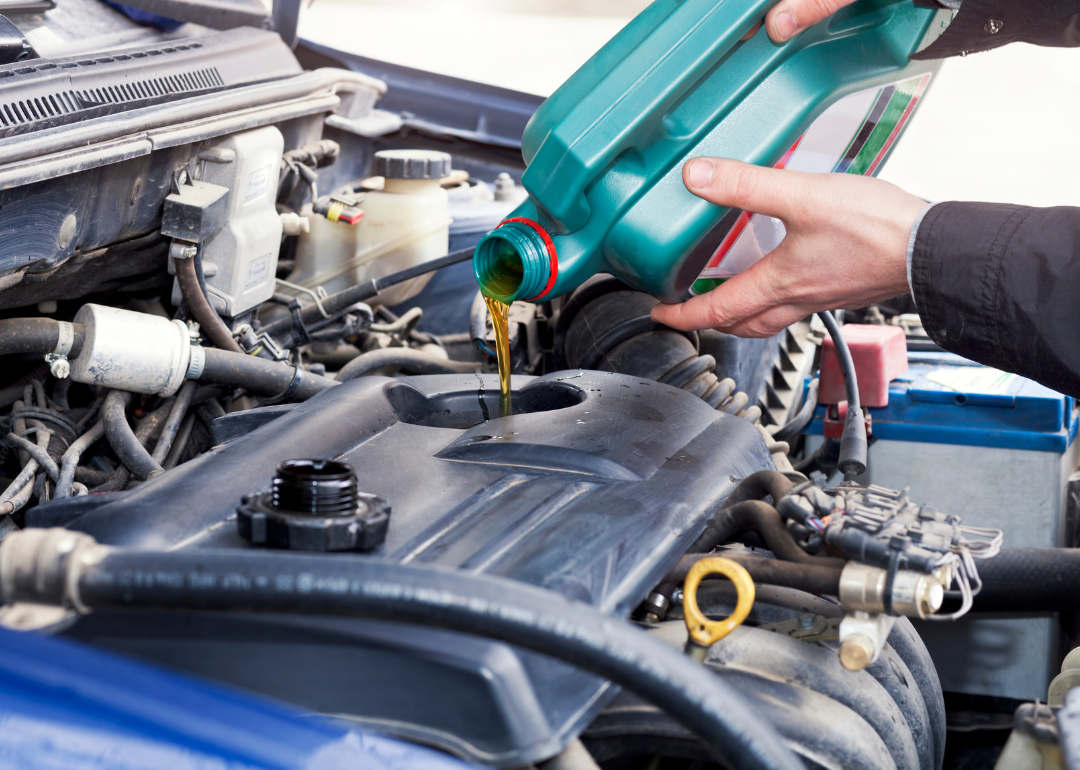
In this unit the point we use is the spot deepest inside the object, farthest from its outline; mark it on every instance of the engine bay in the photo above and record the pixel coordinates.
(253, 434)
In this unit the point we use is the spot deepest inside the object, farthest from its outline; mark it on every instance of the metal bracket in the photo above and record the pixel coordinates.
(318, 294)
(862, 638)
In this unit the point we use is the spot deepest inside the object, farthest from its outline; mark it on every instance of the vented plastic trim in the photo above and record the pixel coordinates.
(66, 102)
(46, 93)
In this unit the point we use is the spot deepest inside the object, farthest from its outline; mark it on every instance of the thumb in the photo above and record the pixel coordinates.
(739, 185)
(790, 17)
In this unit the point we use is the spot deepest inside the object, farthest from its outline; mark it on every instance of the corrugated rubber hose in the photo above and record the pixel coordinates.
(57, 566)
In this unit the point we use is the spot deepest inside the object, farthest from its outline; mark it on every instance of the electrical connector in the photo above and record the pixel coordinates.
(339, 208)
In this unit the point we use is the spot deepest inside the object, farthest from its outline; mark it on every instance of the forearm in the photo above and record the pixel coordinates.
(1000, 284)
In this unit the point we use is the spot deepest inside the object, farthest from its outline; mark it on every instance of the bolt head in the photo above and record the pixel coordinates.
(60, 368)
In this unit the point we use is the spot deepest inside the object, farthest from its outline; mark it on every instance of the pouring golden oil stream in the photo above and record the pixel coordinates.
(503, 280)
(500, 320)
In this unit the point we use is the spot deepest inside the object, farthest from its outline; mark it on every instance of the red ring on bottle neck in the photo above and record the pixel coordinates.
(553, 260)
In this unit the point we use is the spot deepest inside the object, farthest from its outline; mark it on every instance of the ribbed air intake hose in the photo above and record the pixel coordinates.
(605, 325)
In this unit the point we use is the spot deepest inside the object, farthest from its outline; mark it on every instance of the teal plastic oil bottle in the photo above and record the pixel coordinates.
(605, 152)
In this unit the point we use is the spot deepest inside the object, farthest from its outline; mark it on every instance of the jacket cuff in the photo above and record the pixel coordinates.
(955, 265)
(981, 25)
(911, 244)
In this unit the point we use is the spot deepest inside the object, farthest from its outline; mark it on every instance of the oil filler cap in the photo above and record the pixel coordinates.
(412, 164)
(314, 505)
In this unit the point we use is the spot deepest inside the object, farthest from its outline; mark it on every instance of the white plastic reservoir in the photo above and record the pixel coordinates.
(406, 223)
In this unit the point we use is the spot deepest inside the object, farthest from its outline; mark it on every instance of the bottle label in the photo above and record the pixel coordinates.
(852, 136)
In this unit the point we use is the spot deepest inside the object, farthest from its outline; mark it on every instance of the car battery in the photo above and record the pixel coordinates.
(998, 450)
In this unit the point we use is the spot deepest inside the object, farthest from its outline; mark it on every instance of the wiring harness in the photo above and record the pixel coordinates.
(883, 528)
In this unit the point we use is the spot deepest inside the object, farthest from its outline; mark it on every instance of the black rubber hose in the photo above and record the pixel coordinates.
(758, 516)
(366, 290)
(182, 436)
(122, 438)
(757, 485)
(71, 458)
(802, 418)
(843, 357)
(853, 446)
(172, 423)
(812, 578)
(494, 608)
(823, 459)
(720, 526)
(210, 323)
(35, 335)
(1027, 580)
(91, 477)
(408, 360)
(260, 376)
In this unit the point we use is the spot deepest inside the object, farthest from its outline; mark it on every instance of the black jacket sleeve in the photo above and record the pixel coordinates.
(984, 24)
(1000, 284)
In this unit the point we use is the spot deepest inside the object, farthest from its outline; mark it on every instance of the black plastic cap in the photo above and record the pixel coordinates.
(314, 505)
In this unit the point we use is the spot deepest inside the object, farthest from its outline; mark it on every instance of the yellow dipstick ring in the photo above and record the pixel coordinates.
(702, 630)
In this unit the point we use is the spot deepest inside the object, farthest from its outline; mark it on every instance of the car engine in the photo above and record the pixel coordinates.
(252, 434)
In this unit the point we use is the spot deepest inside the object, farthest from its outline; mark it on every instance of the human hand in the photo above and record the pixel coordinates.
(846, 247)
(790, 17)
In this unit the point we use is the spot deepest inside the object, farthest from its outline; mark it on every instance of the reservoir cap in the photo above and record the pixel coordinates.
(412, 164)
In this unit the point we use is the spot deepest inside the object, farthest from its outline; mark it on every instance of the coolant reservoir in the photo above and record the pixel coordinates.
(405, 224)
(605, 151)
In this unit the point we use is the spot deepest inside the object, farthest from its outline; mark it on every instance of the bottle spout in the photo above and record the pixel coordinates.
(516, 261)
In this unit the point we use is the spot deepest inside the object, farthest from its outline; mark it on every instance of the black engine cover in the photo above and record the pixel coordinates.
(593, 489)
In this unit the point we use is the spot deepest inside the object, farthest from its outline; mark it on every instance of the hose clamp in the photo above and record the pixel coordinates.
(182, 250)
(196, 363)
(65, 339)
(57, 359)
(297, 378)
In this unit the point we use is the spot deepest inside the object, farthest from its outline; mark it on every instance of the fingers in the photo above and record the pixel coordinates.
(724, 182)
(789, 17)
(764, 324)
(730, 304)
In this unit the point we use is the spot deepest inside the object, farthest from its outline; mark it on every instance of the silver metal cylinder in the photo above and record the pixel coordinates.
(914, 594)
(131, 351)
